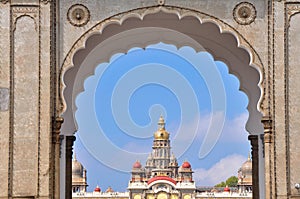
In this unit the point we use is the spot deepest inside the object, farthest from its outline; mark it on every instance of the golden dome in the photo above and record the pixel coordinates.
(161, 133)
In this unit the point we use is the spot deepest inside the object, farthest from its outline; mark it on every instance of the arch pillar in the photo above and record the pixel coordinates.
(69, 154)
(255, 167)
(268, 153)
(56, 142)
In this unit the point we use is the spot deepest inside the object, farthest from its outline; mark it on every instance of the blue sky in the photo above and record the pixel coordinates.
(204, 110)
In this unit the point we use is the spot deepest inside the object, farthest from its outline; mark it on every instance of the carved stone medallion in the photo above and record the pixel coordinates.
(244, 13)
(161, 2)
(78, 15)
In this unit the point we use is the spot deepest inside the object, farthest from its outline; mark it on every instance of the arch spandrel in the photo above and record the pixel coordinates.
(141, 18)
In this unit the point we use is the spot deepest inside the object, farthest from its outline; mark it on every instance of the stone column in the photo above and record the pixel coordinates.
(56, 156)
(280, 104)
(268, 140)
(69, 153)
(255, 169)
(292, 97)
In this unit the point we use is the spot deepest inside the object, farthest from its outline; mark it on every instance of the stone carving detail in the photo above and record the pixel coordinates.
(19, 11)
(78, 15)
(46, 1)
(57, 127)
(161, 2)
(267, 122)
(30, 10)
(292, 9)
(4, 99)
(244, 13)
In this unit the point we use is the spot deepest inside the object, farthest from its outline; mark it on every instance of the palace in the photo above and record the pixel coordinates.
(162, 177)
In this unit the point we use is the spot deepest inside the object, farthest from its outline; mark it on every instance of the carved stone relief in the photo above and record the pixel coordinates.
(78, 15)
(19, 11)
(292, 9)
(244, 13)
(161, 2)
(46, 1)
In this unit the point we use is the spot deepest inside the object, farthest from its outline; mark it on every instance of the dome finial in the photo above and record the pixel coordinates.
(249, 156)
(161, 122)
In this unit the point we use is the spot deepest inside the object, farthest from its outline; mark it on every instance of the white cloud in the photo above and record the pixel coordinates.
(232, 131)
(219, 172)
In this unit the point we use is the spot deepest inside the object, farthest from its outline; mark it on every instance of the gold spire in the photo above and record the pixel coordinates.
(249, 156)
(161, 123)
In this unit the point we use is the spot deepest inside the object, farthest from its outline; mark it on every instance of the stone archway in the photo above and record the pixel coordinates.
(132, 28)
(38, 37)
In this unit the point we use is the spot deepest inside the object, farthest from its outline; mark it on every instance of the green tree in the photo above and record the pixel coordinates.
(232, 181)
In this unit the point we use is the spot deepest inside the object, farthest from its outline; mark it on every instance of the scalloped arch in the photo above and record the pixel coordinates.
(177, 26)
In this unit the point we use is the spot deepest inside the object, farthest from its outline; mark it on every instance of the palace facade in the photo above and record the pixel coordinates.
(162, 177)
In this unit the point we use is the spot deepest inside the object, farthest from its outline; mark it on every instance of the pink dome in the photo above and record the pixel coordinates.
(97, 189)
(186, 165)
(137, 165)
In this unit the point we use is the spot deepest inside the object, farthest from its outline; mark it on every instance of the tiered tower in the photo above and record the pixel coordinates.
(245, 176)
(159, 161)
(161, 177)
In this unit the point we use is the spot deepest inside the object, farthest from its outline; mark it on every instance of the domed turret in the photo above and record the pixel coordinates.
(79, 178)
(185, 172)
(186, 165)
(245, 176)
(109, 190)
(77, 168)
(247, 166)
(97, 189)
(161, 133)
(137, 165)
